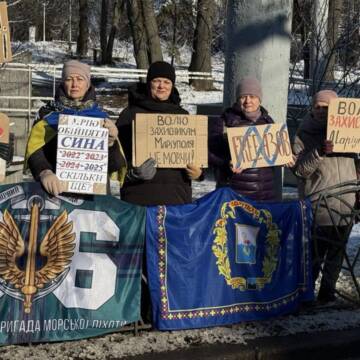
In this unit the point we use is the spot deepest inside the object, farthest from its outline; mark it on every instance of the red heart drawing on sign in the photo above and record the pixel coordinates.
(1, 132)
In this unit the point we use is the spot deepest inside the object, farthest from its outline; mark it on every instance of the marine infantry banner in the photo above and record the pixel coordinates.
(226, 259)
(70, 267)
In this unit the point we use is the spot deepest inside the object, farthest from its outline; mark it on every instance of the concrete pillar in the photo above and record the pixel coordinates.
(258, 44)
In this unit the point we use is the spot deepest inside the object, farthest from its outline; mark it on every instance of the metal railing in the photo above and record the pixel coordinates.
(50, 75)
(342, 223)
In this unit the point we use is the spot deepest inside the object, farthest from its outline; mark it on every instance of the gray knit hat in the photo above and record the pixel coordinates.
(249, 86)
(76, 67)
(324, 96)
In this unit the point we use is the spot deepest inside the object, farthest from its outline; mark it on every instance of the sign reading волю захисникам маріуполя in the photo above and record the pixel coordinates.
(343, 125)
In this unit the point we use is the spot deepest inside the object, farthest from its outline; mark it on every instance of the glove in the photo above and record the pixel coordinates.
(51, 182)
(193, 171)
(113, 131)
(327, 148)
(146, 171)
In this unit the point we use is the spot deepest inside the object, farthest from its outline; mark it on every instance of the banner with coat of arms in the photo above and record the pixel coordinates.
(226, 259)
(70, 267)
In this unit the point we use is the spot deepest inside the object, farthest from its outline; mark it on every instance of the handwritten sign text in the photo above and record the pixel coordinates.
(259, 146)
(343, 126)
(173, 140)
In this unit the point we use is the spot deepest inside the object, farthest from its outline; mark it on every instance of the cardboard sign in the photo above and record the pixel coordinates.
(343, 126)
(173, 140)
(82, 154)
(259, 146)
(4, 139)
(5, 46)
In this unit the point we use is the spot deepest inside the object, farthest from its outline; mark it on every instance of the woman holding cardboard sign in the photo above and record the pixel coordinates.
(254, 183)
(318, 169)
(146, 184)
(75, 96)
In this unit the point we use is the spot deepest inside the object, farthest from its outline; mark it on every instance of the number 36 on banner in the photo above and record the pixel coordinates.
(98, 266)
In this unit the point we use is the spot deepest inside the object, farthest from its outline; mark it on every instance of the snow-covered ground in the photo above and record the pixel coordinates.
(337, 317)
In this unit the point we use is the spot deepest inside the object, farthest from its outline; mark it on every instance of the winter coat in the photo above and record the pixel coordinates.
(316, 173)
(255, 183)
(168, 186)
(42, 143)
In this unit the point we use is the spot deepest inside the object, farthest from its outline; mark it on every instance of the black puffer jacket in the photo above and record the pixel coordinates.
(169, 186)
(256, 183)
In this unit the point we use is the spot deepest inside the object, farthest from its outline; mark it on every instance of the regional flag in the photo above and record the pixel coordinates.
(70, 267)
(226, 259)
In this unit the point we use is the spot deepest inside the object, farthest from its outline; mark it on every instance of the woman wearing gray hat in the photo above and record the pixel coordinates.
(74, 96)
(255, 183)
(147, 185)
(320, 170)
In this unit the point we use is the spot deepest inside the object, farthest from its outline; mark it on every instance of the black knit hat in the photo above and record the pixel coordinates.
(161, 69)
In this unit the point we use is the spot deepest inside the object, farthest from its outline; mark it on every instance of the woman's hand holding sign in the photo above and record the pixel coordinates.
(328, 147)
(51, 182)
(291, 163)
(113, 131)
(193, 171)
(235, 170)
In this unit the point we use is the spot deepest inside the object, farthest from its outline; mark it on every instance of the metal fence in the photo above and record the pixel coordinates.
(49, 75)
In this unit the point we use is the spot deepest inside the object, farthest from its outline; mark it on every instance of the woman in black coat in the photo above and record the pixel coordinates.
(147, 185)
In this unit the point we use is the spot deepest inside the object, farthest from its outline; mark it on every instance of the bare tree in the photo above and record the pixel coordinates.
(83, 34)
(115, 21)
(350, 55)
(176, 21)
(201, 56)
(152, 31)
(24, 14)
(333, 34)
(12, 3)
(336, 44)
(173, 42)
(138, 32)
(103, 28)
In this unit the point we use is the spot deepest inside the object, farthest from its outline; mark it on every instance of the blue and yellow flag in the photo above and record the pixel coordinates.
(70, 267)
(226, 259)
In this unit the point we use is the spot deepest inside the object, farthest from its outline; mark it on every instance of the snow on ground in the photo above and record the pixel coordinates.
(336, 317)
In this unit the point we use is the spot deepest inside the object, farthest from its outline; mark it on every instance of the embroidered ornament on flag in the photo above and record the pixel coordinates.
(225, 259)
